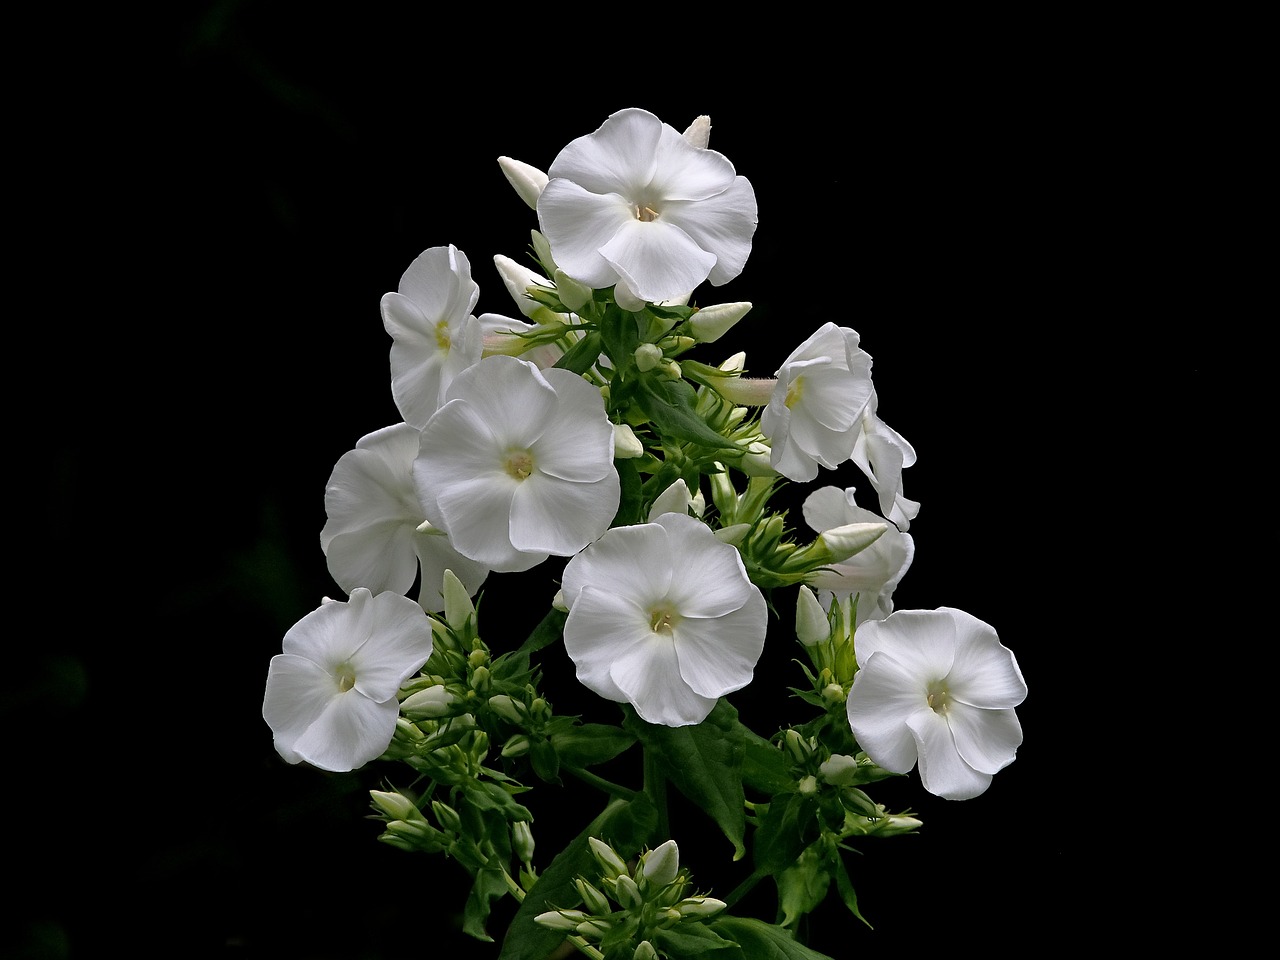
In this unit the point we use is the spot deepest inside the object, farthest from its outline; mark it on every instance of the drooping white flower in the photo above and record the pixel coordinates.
(331, 694)
(518, 464)
(434, 336)
(882, 453)
(936, 687)
(872, 573)
(637, 204)
(376, 535)
(815, 410)
(663, 616)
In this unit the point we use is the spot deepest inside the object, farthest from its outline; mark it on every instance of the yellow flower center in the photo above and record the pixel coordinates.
(442, 336)
(646, 213)
(519, 464)
(346, 675)
(938, 697)
(663, 619)
(795, 390)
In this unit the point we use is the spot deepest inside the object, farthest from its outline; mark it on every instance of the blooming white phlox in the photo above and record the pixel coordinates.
(815, 412)
(377, 535)
(937, 688)
(871, 574)
(518, 464)
(331, 694)
(882, 454)
(434, 336)
(663, 616)
(638, 205)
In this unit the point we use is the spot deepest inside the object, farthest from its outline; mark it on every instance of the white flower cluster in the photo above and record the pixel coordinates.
(510, 449)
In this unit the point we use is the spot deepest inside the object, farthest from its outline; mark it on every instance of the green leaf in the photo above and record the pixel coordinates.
(845, 886)
(627, 825)
(620, 335)
(803, 885)
(784, 831)
(693, 940)
(704, 761)
(669, 404)
(764, 941)
(591, 743)
(489, 886)
(765, 767)
(547, 632)
(582, 356)
(632, 497)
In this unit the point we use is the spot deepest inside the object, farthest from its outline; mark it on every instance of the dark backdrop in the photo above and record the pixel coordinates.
(275, 170)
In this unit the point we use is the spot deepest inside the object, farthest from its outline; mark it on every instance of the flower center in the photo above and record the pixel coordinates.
(346, 677)
(646, 213)
(519, 464)
(442, 335)
(795, 390)
(663, 619)
(939, 699)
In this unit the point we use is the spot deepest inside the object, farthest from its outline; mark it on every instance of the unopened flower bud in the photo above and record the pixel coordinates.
(812, 626)
(558, 602)
(593, 929)
(458, 608)
(699, 135)
(508, 709)
(592, 898)
(662, 863)
(573, 294)
(527, 181)
(808, 786)
(518, 279)
(734, 534)
(711, 323)
(446, 816)
(700, 906)
(645, 951)
(522, 840)
(480, 679)
(626, 445)
(627, 892)
(796, 746)
(735, 364)
(560, 919)
(670, 369)
(648, 356)
(395, 805)
(427, 704)
(517, 746)
(843, 542)
(610, 863)
(840, 769)
(835, 693)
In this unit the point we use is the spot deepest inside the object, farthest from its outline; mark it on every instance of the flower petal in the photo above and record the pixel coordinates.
(719, 655)
(550, 515)
(577, 442)
(985, 672)
(922, 641)
(436, 555)
(709, 578)
(398, 644)
(351, 731)
(648, 673)
(942, 771)
(298, 691)
(600, 624)
(634, 558)
(723, 224)
(683, 172)
(619, 157)
(577, 224)
(884, 696)
(657, 260)
(510, 396)
(986, 740)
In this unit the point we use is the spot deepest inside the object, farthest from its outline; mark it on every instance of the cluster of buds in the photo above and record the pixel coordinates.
(827, 637)
(632, 908)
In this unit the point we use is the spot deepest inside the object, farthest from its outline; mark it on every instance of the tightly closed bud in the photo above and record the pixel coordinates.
(446, 816)
(808, 786)
(812, 626)
(573, 294)
(527, 181)
(522, 840)
(648, 356)
(840, 770)
(700, 906)
(711, 323)
(627, 892)
(699, 135)
(845, 541)
(610, 863)
(735, 364)
(593, 929)
(427, 704)
(395, 805)
(662, 863)
(592, 899)
(645, 951)
(458, 608)
(518, 279)
(517, 746)
(626, 445)
(560, 919)
(508, 709)
(733, 535)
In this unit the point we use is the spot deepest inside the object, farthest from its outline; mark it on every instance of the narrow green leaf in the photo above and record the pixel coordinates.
(764, 766)
(547, 632)
(688, 940)
(785, 830)
(632, 496)
(582, 355)
(764, 941)
(669, 404)
(489, 886)
(704, 761)
(591, 743)
(845, 886)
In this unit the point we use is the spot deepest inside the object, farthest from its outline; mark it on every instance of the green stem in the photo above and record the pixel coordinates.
(581, 945)
(600, 783)
(655, 785)
(742, 889)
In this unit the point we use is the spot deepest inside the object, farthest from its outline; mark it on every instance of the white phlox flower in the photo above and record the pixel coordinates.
(936, 687)
(434, 336)
(872, 573)
(637, 204)
(882, 453)
(815, 410)
(331, 695)
(663, 616)
(518, 464)
(376, 535)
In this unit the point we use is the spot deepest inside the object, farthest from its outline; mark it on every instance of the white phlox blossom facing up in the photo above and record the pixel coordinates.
(872, 573)
(518, 464)
(936, 687)
(882, 454)
(376, 535)
(637, 204)
(815, 412)
(434, 336)
(331, 695)
(663, 616)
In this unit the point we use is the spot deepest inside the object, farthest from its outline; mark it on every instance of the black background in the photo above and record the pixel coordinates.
(264, 173)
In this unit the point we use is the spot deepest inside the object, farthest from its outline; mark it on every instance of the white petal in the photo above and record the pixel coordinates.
(986, 740)
(635, 560)
(722, 225)
(351, 731)
(510, 397)
(298, 691)
(683, 172)
(550, 515)
(657, 260)
(718, 656)
(985, 672)
(619, 157)
(436, 555)
(379, 556)
(600, 624)
(942, 771)
(649, 674)
(439, 282)
(923, 641)
(709, 579)
(577, 441)
(675, 499)
(456, 451)
(397, 646)
(329, 634)
(884, 696)
(577, 224)
(827, 508)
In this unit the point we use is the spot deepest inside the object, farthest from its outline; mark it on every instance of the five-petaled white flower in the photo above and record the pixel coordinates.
(434, 336)
(882, 454)
(639, 205)
(872, 573)
(938, 688)
(663, 616)
(331, 695)
(518, 464)
(815, 412)
(377, 534)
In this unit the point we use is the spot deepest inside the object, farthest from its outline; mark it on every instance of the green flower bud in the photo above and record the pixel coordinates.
(427, 704)
(808, 786)
(711, 323)
(592, 899)
(593, 929)
(573, 294)
(661, 864)
(700, 906)
(522, 840)
(839, 770)
(517, 746)
(396, 806)
(626, 445)
(458, 608)
(508, 709)
(610, 863)
(447, 816)
(648, 356)
(645, 951)
(560, 919)
(480, 679)
(627, 892)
